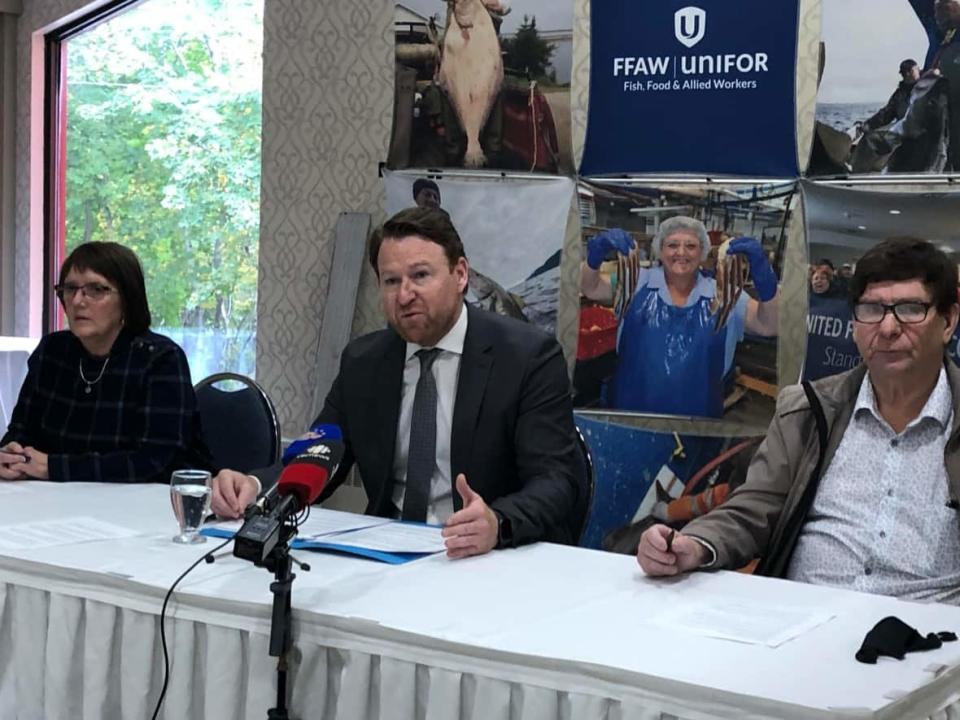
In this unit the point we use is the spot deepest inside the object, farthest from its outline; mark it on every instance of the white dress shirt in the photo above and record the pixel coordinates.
(446, 372)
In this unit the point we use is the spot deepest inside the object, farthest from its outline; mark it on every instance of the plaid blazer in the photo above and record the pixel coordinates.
(137, 423)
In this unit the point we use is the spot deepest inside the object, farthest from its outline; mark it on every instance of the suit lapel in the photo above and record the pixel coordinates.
(475, 365)
(388, 374)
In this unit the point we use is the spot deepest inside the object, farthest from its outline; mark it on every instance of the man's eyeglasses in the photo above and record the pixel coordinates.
(92, 291)
(908, 313)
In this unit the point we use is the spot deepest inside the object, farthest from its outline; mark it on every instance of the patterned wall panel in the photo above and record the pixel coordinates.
(327, 99)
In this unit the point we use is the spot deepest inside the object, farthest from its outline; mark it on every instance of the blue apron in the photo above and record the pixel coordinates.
(670, 360)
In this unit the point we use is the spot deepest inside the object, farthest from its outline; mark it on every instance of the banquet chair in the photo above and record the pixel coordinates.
(585, 503)
(239, 426)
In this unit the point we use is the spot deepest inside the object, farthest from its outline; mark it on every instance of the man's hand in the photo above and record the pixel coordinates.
(656, 559)
(12, 454)
(232, 492)
(472, 530)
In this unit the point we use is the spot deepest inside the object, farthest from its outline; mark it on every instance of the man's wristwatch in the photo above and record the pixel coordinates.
(504, 530)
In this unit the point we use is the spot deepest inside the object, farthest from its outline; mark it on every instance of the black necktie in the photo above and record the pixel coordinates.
(422, 453)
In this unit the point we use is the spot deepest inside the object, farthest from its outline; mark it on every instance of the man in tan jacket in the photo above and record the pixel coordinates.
(866, 496)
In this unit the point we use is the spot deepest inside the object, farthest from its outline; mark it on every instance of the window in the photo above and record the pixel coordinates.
(154, 142)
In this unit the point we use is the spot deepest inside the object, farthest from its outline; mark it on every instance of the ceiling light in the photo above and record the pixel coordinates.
(861, 227)
(894, 212)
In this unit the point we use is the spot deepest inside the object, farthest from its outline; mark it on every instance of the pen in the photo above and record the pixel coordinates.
(670, 540)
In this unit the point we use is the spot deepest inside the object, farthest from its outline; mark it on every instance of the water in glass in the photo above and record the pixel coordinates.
(190, 495)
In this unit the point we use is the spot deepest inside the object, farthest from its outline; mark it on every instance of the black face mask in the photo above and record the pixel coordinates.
(894, 638)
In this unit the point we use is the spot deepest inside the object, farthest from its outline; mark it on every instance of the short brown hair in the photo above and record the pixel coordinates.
(908, 258)
(120, 266)
(429, 223)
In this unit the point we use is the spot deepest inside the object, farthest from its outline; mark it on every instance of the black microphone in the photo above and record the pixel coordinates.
(300, 484)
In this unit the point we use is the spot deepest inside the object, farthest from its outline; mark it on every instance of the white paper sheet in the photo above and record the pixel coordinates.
(320, 523)
(326, 522)
(743, 622)
(396, 537)
(67, 531)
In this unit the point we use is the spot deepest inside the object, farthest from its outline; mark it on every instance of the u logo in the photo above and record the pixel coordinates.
(689, 25)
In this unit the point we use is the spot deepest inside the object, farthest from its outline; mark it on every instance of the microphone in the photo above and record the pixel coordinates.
(299, 485)
(266, 502)
(307, 472)
(322, 431)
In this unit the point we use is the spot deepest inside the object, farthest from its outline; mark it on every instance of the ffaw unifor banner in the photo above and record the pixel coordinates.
(706, 89)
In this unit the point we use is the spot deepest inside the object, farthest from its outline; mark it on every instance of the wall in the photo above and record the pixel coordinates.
(327, 101)
(327, 110)
(326, 124)
(9, 12)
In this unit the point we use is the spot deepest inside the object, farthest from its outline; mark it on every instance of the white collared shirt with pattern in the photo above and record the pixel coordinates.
(880, 522)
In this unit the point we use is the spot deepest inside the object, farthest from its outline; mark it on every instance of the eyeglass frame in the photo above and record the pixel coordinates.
(98, 289)
(893, 309)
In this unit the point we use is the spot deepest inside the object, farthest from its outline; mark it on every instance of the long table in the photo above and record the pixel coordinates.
(538, 633)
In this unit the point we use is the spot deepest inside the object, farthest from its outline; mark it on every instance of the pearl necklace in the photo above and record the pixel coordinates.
(91, 383)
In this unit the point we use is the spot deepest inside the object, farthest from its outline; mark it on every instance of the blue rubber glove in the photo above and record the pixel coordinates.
(599, 246)
(764, 280)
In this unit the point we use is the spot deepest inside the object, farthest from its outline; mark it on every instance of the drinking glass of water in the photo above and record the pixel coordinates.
(190, 492)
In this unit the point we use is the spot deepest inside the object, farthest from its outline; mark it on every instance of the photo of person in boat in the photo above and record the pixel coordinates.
(915, 128)
(482, 85)
(660, 333)
(833, 239)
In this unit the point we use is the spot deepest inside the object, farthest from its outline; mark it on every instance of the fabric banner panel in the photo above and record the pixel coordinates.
(512, 232)
(703, 89)
(887, 98)
(680, 298)
(841, 225)
(643, 477)
(479, 86)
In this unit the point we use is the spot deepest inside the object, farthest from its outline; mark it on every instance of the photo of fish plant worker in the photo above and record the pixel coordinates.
(678, 329)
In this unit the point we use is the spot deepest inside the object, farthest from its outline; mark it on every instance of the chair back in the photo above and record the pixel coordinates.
(239, 427)
(584, 503)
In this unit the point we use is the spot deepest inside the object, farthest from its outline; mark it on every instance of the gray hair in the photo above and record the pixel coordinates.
(681, 223)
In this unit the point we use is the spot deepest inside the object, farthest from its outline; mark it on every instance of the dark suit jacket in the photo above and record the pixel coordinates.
(513, 431)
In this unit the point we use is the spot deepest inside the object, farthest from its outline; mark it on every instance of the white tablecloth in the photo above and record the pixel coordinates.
(14, 352)
(540, 633)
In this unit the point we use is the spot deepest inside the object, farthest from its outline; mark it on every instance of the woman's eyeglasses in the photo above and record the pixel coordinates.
(92, 291)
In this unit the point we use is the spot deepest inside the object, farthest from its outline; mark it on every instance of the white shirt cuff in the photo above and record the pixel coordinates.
(258, 483)
(712, 550)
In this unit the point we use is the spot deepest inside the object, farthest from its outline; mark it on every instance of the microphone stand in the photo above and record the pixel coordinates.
(280, 563)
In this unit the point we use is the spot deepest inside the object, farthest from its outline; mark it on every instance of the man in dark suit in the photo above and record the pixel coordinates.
(453, 415)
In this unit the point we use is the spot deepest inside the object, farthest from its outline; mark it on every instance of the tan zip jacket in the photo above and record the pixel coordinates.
(753, 520)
